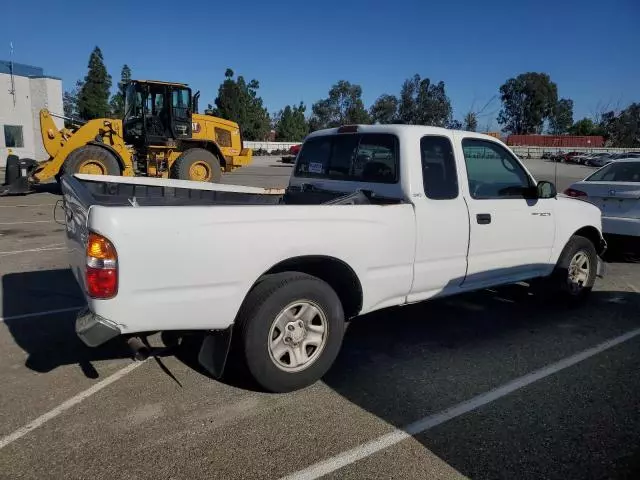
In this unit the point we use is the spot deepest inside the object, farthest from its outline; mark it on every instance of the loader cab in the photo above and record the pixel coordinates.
(156, 113)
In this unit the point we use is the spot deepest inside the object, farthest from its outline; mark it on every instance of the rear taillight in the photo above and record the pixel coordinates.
(102, 267)
(572, 192)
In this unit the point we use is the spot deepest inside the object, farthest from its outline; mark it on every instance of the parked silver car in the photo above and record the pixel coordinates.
(599, 159)
(615, 189)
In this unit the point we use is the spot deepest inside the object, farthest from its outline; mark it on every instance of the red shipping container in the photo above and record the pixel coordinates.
(556, 141)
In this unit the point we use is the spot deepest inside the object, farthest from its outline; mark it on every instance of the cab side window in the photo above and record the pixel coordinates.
(493, 172)
(439, 174)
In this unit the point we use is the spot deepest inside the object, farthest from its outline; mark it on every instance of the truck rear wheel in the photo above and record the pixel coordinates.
(92, 160)
(197, 164)
(289, 331)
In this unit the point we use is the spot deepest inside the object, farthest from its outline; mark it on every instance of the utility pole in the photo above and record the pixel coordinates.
(12, 90)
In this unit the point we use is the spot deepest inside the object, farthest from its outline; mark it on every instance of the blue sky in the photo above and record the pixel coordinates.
(298, 49)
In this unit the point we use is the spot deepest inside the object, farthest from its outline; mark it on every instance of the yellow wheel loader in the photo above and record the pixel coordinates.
(161, 135)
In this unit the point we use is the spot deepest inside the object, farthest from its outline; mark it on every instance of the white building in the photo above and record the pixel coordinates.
(22, 95)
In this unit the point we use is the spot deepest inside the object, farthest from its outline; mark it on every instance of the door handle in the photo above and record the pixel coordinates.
(483, 218)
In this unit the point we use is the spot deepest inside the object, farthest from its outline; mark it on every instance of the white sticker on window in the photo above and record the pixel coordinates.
(315, 167)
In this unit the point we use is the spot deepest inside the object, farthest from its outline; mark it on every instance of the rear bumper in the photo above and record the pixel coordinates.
(621, 226)
(93, 329)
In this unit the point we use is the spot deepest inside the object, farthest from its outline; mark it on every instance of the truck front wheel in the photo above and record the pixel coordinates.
(575, 272)
(290, 329)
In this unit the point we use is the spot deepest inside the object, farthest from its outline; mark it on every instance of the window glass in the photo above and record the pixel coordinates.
(180, 103)
(13, 136)
(158, 102)
(180, 98)
(617, 172)
(438, 168)
(365, 157)
(492, 171)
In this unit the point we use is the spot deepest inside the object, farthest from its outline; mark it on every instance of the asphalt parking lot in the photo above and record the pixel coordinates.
(494, 384)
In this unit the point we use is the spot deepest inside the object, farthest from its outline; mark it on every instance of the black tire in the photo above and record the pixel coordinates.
(12, 172)
(559, 283)
(101, 158)
(182, 166)
(258, 313)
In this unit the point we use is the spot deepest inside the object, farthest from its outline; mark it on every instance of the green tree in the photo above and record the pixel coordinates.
(343, 106)
(454, 125)
(93, 98)
(623, 130)
(291, 126)
(561, 118)
(586, 126)
(238, 101)
(70, 104)
(424, 103)
(527, 101)
(117, 100)
(471, 122)
(385, 109)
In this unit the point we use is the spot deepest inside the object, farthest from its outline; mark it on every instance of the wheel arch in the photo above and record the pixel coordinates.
(593, 234)
(335, 272)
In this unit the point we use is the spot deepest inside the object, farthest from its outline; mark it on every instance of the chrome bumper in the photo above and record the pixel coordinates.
(94, 330)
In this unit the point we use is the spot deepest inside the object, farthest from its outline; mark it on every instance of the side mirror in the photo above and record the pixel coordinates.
(546, 190)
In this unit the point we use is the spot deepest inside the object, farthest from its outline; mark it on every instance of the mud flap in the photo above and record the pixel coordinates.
(215, 350)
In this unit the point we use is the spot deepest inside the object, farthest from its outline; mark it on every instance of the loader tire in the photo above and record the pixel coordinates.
(197, 164)
(93, 160)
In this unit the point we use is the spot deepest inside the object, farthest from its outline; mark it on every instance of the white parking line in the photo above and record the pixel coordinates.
(365, 450)
(24, 223)
(39, 314)
(51, 414)
(42, 249)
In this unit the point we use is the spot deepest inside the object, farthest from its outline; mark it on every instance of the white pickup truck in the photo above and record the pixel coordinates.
(374, 217)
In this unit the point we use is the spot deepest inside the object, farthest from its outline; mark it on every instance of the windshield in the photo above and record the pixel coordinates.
(133, 102)
(617, 172)
(365, 157)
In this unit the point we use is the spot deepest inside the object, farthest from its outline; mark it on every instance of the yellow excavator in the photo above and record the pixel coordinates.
(161, 135)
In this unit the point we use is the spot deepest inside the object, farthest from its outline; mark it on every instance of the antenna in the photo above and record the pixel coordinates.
(555, 171)
(12, 90)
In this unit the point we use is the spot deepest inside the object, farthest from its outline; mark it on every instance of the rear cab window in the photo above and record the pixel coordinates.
(354, 157)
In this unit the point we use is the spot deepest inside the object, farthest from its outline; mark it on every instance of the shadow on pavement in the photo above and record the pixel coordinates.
(51, 187)
(622, 249)
(403, 364)
(50, 340)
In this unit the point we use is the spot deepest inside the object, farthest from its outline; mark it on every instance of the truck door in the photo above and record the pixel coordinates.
(511, 233)
(442, 222)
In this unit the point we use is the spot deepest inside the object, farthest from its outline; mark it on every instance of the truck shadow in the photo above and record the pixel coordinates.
(50, 340)
(403, 364)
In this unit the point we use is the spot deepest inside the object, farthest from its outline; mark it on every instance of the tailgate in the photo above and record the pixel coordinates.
(76, 201)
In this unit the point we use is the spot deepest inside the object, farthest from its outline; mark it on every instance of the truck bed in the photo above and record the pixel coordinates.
(124, 191)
